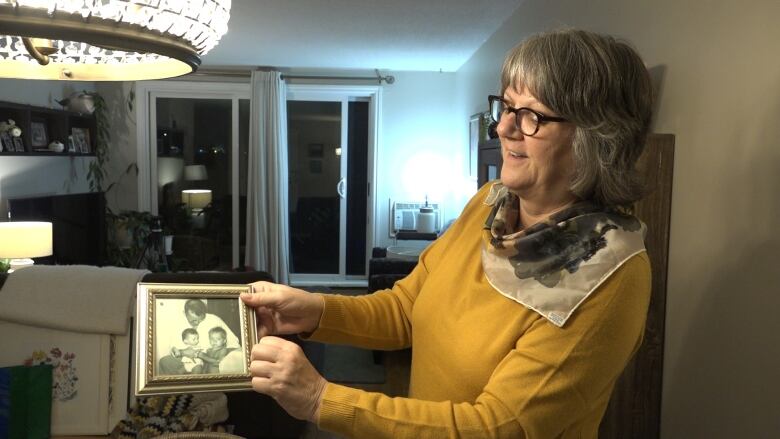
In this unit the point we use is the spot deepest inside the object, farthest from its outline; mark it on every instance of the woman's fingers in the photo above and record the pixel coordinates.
(262, 385)
(265, 351)
(276, 342)
(262, 369)
(280, 369)
(263, 294)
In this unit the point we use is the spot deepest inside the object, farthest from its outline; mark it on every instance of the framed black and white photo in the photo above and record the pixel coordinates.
(81, 139)
(193, 338)
(38, 135)
(18, 144)
(315, 166)
(6, 142)
(71, 144)
(316, 150)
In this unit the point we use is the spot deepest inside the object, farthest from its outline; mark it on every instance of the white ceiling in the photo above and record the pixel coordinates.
(358, 34)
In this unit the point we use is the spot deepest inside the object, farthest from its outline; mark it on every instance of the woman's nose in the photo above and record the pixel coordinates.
(506, 125)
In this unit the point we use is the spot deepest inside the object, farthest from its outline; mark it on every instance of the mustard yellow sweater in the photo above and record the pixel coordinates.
(483, 366)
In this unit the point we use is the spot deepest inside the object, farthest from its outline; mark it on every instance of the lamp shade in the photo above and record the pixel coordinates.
(195, 172)
(107, 40)
(196, 198)
(169, 170)
(23, 239)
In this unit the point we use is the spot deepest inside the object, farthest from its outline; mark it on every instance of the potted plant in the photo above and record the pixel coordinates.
(128, 232)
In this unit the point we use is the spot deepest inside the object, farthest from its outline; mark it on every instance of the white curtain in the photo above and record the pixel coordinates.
(267, 231)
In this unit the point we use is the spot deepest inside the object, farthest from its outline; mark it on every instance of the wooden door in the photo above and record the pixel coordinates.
(634, 410)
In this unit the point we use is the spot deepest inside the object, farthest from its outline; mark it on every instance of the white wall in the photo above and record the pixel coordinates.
(720, 96)
(23, 176)
(423, 146)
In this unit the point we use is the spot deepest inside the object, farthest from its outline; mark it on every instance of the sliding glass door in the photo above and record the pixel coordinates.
(198, 142)
(328, 134)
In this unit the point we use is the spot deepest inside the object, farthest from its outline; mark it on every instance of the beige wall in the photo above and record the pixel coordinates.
(720, 96)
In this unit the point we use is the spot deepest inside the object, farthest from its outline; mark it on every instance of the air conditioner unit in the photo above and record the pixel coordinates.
(403, 216)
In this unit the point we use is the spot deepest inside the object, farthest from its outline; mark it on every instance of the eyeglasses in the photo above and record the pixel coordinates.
(526, 119)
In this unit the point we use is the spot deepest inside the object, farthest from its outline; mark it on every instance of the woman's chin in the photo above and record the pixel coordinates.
(514, 183)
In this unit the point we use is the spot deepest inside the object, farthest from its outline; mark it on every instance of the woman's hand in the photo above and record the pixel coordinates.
(281, 370)
(284, 310)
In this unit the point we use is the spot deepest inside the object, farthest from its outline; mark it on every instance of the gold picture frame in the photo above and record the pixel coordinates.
(170, 358)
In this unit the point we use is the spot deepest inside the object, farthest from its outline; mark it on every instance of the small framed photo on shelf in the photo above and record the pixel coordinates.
(71, 147)
(316, 150)
(6, 143)
(38, 136)
(474, 138)
(18, 144)
(81, 139)
(193, 338)
(315, 166)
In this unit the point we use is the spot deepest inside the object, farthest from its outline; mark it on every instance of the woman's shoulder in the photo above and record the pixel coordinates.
(484, 198)
(629, 282)
(637, 265)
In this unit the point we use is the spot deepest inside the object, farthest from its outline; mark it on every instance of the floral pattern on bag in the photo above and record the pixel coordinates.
(64, 379)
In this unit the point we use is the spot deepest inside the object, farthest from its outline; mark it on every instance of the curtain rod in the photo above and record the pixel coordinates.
(246, 73)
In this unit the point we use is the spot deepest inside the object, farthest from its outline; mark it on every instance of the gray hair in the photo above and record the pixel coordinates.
(601, 85)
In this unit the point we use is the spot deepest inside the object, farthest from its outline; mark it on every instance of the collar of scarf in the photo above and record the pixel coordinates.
(553, 266)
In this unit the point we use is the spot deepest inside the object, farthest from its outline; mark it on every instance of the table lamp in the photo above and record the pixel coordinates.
(195, 172)
(196, 200)
(169, 170)
(22, 240)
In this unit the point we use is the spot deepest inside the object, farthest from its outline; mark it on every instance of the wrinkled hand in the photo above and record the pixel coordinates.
(284, 310)
(281, 370)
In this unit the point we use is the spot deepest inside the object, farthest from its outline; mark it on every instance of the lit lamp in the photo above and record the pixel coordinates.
(169, 170)
(196, 200)
(22, 240)
(195, 173)
(107, 40)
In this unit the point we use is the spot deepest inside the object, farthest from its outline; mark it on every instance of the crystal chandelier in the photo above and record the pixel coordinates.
(107, 40)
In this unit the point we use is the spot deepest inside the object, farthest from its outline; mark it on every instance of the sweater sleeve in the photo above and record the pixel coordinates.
(549, 381)
(382, 320)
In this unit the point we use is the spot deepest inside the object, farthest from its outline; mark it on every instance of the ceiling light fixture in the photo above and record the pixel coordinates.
(107, 40)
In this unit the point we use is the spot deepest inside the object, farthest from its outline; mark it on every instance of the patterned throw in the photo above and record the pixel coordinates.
(155, 415)
(553, 266)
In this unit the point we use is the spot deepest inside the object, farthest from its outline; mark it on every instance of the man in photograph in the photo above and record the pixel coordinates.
(194, 316)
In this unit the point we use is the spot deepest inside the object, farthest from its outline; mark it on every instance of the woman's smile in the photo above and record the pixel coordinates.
(511, 155)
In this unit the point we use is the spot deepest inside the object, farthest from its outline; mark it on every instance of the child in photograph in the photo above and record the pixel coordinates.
(189, 354)
(217, 351)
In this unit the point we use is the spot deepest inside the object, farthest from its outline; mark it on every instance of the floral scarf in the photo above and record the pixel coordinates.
(553, 266)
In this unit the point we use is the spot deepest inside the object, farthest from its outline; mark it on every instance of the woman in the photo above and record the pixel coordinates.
(524, 313)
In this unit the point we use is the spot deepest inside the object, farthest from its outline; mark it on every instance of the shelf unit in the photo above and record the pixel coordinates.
(57, 125)
(489, 161)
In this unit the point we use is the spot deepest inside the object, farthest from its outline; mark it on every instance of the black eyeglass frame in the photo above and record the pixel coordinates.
(540, 117)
